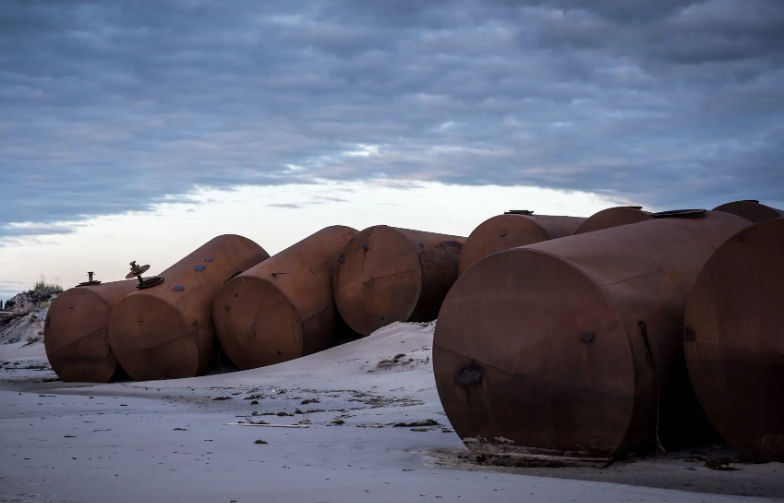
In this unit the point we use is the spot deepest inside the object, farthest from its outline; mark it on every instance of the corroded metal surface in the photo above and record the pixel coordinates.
(282, 308)
(752, 211)
(734, 341)
(511, 230)
(389, 274)
(166, 331)
(573, 346)
(613, 217)
(76, 331)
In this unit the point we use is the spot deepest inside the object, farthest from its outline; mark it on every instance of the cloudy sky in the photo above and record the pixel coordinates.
(139, 111)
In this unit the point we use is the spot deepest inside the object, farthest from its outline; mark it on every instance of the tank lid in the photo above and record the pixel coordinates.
(688, 213)
(90, 281)
(137, 271)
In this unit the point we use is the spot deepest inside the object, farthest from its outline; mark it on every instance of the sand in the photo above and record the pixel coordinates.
(171, 441)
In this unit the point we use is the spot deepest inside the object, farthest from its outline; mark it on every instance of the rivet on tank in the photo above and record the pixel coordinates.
(734, 341)
(572, 347)
(751, 210)
(164, 329)
(613, 217)
(513, 228)
(76, 331)
(389, 274)
(282, 308)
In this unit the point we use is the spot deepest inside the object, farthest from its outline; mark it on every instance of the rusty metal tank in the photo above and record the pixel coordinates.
(751, 210)
(513, 228)
(388, 274)
(613, 217)
(573, 347)
(282, 308)
(76, 331)
(734, 341)
(165, 331)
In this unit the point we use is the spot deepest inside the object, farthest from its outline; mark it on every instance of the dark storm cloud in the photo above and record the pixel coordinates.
(108, 107)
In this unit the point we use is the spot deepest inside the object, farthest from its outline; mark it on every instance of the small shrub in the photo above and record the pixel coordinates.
(43, 285)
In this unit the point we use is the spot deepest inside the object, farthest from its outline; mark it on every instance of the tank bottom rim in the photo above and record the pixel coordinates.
(504, 452)
(103, 366)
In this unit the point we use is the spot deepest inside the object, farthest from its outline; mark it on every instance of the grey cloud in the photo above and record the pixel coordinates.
(111, 107)
(34, 229)
(10, 288)
(332, 199)
(286, 205)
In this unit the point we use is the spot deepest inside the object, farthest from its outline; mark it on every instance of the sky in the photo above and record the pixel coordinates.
(118, 118)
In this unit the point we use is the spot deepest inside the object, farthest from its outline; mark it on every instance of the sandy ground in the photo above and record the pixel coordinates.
(171, 441)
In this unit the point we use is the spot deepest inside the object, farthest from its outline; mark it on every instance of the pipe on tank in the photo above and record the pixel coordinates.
(165, 331)
(389, 274)
(572, 347)
(613, 217)
(282, 308)
(751, 210)
(76, 331)
(734, 341)
(513, 229)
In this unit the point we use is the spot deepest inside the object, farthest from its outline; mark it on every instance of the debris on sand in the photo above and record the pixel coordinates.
(260, 442)
(722, 463)
(426, 422)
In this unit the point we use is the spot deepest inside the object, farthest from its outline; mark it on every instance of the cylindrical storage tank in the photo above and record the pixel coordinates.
(613, 217)
(76, 331)
(388, 274)
(166, 331)
(282, 308)
(734, 341)
(511, 230)
(573, 346)
(751, 210)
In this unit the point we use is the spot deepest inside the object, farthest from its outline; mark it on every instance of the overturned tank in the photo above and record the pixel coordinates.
(734, 341)
(573, 347)
(388, 274)
(751, 210)
(76, 331)
(282, 308)
(513, 228)
(613, 217)
(164, 329)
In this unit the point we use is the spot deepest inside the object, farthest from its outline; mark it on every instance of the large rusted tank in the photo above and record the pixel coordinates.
(734, 341)
(512, 229)
(573, 347)
(76, 331)
(282, 308)
(613, 217)
(165, 331)
(388, 274)
(751, 210)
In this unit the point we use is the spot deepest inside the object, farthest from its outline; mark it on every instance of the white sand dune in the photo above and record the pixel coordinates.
(169, 440)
